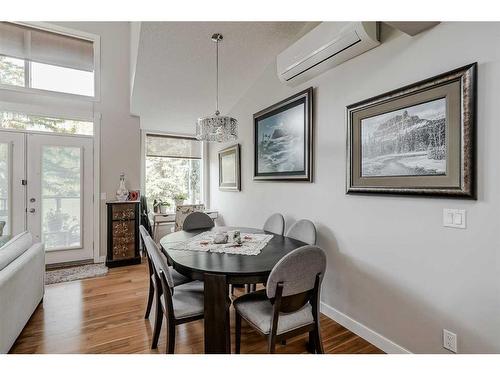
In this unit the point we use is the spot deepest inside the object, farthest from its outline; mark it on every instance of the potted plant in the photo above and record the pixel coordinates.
(164, 207)
(179, 199)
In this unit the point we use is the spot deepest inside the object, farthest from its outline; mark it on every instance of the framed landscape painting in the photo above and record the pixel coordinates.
(229, 169)
(283, 140)
(415, 140)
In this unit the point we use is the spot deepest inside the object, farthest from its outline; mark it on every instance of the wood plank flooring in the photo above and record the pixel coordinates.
(106, 315)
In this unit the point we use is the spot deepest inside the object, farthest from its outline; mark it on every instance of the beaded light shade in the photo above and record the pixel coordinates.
(217, 128)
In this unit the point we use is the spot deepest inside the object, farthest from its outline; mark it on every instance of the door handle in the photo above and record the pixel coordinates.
(32, 210)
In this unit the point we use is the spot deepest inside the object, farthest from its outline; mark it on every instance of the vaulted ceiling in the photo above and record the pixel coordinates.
(174, 80)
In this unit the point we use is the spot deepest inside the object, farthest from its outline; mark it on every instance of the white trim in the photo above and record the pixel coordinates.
(100, 259)
(97, 187)
(363, 331)
(94, 38)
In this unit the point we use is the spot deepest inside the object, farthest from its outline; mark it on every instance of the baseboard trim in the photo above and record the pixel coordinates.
(101, 259)
(375, 338)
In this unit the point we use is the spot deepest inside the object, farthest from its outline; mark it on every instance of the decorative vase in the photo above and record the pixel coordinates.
(179, 202)
(122, 192)
(2, 225)
(163, 209)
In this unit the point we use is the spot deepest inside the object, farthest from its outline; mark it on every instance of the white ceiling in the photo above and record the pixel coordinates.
(175, 74)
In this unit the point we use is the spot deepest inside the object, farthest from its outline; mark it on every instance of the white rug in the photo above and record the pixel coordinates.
(75, 273)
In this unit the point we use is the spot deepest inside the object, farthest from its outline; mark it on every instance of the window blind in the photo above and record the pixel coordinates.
(173, 147)
(46, 47)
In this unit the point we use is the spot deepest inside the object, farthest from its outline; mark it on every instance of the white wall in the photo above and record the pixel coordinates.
(391, 265)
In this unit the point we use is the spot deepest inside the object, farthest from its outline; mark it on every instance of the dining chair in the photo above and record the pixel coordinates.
(182, 211)
(179, 304)
(289, 306)
(176, 276)
(197, 220)
(144, 215)
(275, 224)
(303, 230)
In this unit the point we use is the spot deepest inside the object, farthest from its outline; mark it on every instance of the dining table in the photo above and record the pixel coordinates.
(218, 271)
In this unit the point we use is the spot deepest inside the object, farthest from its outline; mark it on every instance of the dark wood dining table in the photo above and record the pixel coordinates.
(218, 271)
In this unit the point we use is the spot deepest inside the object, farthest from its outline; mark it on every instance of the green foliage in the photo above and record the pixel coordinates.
(10, 72)
(167, 177)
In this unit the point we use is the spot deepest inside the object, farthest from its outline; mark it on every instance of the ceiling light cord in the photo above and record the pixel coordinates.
(217, 77)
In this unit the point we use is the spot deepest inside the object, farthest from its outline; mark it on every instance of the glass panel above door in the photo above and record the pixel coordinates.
(22, 121)
(61, 197)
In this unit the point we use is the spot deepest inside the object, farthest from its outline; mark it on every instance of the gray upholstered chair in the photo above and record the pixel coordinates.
(197, 220)
(289, 306)
(303, 230)
(176, 276)
(181, 212)
(275, 224)
(179, 304)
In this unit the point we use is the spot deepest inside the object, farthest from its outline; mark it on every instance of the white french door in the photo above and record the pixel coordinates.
(46, 187)
(60, 195)
(12, 179)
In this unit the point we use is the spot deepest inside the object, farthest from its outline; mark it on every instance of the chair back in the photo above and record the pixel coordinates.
(144, 215)
(181, 212)
(159, 262)
(297, 277)
(303, 230)
(275, 224)
(144, 234)
(197, 220)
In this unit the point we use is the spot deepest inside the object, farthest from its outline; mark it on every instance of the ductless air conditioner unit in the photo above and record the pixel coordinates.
(327, 45)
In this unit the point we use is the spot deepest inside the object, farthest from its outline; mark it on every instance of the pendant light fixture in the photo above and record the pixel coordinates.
(217, 128)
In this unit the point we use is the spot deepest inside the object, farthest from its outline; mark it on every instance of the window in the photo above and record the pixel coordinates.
(22, 121)
(39, 59)
(173, 166)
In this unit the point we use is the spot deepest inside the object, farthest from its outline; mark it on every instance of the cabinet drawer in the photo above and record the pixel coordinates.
(123, 211)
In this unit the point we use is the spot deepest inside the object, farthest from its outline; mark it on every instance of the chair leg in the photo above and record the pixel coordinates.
(311, 344)
(157, 324)
(271, 344)
(237, 333)
(150, 300)
(170, 338)
(317, 340)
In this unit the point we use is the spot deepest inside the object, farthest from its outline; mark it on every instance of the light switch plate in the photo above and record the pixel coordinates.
(454, 218)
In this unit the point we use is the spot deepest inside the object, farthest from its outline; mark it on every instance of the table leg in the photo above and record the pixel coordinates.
(217, 303)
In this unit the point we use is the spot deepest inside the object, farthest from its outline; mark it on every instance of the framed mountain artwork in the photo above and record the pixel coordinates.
(415, 140)
(283, 138)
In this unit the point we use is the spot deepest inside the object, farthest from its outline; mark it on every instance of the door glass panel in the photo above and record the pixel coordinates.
(61, 197)
(4, 189)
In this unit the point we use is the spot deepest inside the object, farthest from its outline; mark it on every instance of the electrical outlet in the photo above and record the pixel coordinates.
(449, 341)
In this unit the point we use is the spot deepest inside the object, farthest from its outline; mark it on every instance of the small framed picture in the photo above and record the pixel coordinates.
(229, 169)
(134, 195)
(283, 140)
(418, 139)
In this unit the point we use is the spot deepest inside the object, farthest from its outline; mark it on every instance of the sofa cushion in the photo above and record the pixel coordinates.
(14, 248)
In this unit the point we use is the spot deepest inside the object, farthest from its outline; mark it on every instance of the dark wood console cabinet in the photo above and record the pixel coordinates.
(123, 233)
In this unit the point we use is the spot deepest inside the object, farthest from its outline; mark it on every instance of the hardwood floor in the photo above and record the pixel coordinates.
(106, 315)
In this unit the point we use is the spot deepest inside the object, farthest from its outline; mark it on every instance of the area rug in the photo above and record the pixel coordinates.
(75, 273)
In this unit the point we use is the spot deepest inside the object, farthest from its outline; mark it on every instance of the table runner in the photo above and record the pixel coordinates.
(252, 244)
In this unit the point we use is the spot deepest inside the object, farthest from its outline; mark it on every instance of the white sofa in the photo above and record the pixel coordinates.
(22, 273)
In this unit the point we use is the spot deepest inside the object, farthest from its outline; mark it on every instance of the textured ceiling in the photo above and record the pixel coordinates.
(175, 73)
